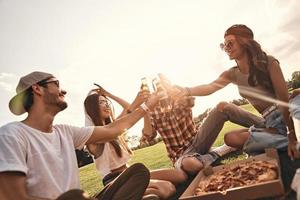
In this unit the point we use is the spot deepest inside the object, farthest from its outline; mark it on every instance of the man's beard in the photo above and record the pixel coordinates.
(62, 105)
(52, 99)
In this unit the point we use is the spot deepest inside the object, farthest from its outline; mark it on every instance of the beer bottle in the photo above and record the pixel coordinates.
(164, 100)
(144, 85)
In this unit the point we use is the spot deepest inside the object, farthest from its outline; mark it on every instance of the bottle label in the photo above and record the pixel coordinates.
(144, 87)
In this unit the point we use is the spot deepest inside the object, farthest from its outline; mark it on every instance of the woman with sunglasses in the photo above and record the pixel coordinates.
(260, 80)
(112, 158)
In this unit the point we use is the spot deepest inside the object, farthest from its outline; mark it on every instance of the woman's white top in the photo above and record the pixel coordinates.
(109, 160)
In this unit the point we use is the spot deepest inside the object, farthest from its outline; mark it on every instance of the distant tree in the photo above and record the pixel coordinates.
(143, 141)
(295, 82)
(133, 140)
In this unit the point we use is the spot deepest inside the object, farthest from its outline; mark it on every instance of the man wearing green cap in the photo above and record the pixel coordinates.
(37, 158)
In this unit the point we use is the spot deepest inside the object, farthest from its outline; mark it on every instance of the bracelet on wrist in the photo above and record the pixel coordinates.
(144, 107)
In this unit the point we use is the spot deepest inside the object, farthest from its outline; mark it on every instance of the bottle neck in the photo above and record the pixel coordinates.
(159, 88)
(144, 87)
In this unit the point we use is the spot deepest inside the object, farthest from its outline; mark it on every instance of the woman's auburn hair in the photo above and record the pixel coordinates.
(91, 105)
(258, 61)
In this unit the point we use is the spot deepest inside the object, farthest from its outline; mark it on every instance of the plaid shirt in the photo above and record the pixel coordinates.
(176, 128)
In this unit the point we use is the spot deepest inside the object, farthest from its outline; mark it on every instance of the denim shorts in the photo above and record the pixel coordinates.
(206, 159)
(260, 139)
(295, 107)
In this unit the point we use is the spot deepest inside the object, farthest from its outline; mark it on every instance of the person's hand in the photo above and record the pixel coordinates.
(101, 90)
(294, 93)
(292, 149)
(154, 99)
(141, 97)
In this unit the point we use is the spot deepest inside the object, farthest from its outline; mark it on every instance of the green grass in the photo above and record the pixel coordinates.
(154, 157)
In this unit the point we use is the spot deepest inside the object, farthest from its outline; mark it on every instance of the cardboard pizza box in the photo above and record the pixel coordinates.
(259, 190)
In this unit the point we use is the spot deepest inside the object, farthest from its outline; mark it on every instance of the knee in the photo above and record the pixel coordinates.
(221, 105)
(139, 168)
(191, 165)
(236, 139)
(218, 110)
(228, 138)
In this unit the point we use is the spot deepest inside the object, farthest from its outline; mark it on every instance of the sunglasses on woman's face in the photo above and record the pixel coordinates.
(227, 45)
(104, 103)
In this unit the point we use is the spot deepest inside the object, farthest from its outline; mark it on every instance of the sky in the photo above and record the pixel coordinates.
(117, 42)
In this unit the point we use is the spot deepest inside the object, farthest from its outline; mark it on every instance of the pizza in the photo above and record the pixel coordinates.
(242, 174)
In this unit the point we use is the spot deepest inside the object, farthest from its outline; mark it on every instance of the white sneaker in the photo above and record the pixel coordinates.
(223, 150)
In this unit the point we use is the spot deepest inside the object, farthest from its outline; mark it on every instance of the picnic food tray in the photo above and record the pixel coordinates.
(264, 189)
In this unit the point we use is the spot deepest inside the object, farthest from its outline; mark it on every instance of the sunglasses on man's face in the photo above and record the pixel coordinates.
(56, 82)
(227, 45)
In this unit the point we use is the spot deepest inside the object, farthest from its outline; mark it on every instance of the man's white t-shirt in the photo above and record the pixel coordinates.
(47, 159)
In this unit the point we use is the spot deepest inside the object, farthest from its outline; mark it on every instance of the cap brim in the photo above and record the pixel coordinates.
(16, 104)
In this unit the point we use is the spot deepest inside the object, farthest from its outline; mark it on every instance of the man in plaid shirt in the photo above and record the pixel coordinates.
(176, 128)
(178, 131)
(188, 147)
